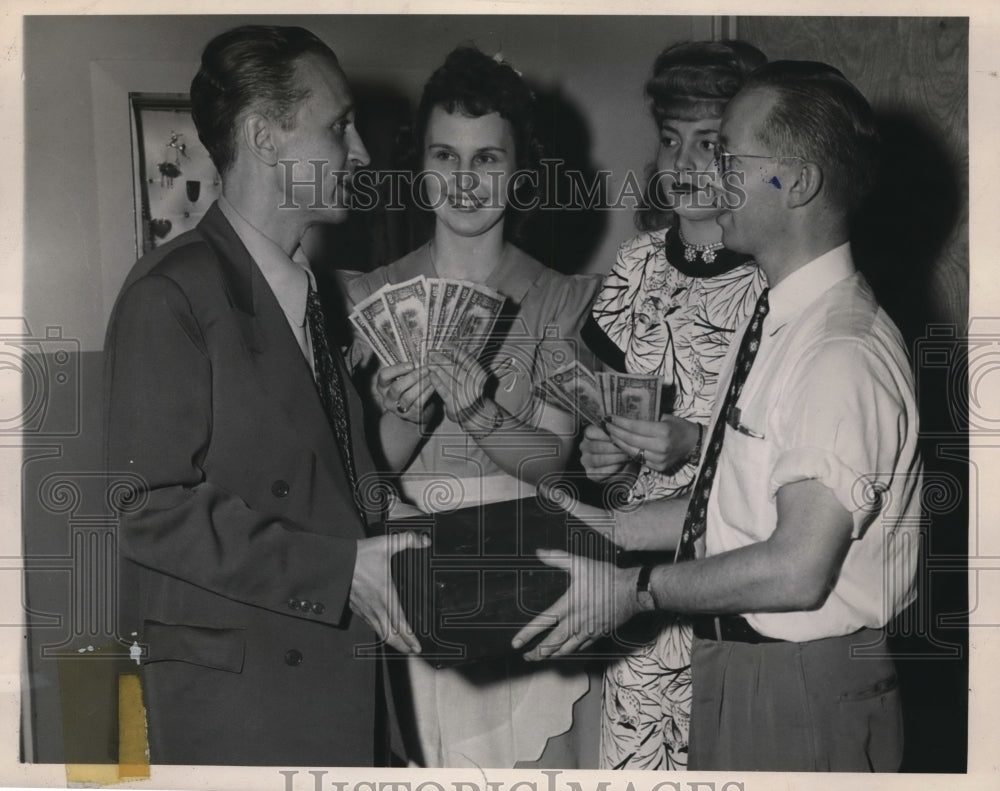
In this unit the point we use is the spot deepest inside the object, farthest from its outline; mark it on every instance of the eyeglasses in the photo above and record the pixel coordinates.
(723, 159)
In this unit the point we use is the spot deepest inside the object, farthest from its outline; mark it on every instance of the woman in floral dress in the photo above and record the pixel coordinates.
(670, 306)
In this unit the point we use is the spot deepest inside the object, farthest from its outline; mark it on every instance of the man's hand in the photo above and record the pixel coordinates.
(400, 510)
(405, 390)
(600, 598)
(373, 594)
(662, 445)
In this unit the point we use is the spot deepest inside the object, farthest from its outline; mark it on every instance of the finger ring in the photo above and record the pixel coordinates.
(641, 457)
(400, 408)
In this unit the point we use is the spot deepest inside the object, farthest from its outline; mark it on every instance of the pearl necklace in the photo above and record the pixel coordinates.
(693, 251)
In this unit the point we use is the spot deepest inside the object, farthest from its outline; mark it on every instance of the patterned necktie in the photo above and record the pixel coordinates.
(694, 520)
(329, 382)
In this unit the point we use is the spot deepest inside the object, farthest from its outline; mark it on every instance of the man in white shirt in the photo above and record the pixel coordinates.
(255, 571)
(800, 539)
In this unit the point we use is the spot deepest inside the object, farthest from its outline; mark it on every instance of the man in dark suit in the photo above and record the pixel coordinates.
(252, 566)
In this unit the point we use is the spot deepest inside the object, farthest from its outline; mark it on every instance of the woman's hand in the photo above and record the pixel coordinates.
(458, 378)
(405, 391)
(600, 456)
(662, 445)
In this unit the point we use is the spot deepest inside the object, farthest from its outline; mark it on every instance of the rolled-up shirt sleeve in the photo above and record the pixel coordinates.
(843, 425)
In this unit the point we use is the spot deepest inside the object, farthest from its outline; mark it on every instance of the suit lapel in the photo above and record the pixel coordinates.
(282, 368)
(236, 267)
(288, 377)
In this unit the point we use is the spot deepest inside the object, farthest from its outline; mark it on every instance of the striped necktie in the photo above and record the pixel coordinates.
(329, 382)
(694, 520)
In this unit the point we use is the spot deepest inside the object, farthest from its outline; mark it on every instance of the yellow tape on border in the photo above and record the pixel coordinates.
(133, 747)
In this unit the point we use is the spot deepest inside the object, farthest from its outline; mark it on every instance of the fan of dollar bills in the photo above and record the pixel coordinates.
(593, 397)
(404, 322)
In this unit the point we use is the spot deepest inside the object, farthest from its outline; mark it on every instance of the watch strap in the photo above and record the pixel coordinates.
(643, 594)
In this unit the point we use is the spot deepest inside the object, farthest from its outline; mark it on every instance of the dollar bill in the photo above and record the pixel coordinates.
(376, 316)
(438, 312)
(582, 389)
(370, 337)
(433, 301)
(439, 317)
(637, 397)
(454, 314)
(478, 316)
(604, 382)
(407, 305)
(548, 392)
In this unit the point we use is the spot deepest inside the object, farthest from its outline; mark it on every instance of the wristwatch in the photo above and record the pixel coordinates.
(643, 594)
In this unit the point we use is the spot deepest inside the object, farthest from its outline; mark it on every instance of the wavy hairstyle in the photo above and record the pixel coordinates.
(474, 84)
(692, 80)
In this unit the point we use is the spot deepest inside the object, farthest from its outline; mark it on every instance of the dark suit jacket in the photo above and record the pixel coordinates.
(237, 558)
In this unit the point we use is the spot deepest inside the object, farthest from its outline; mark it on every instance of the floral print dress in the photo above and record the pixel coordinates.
(673, 317)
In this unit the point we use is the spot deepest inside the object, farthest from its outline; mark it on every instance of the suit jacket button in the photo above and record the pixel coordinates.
(293, 604)
(318, 608)
(305, 606)
(293, 657)
(280, 488)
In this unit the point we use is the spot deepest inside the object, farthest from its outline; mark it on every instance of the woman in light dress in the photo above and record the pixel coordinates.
(465, 429)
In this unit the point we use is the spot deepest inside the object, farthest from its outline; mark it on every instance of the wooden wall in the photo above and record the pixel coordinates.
(914, 243)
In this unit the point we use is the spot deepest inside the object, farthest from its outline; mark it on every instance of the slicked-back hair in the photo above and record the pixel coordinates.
(820, 116)
(249, 69)
(691, 81)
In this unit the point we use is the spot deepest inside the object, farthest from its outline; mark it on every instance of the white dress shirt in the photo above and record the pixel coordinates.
(829, 398)
(289, 278)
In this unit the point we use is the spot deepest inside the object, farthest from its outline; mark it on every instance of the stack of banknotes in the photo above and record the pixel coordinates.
(594, 397)
(404, 322)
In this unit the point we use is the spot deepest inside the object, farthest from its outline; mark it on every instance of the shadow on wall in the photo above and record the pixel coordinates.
(565, 238)
(900, 241)
(371, 236)
(903, 230)
(375, 235)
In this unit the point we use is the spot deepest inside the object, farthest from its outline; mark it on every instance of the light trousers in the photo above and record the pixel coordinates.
(795, 706)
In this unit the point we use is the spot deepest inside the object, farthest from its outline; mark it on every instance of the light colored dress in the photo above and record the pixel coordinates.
(484, 714)
(675, 318)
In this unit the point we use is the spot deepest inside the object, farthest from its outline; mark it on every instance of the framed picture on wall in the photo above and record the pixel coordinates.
(175, 180)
